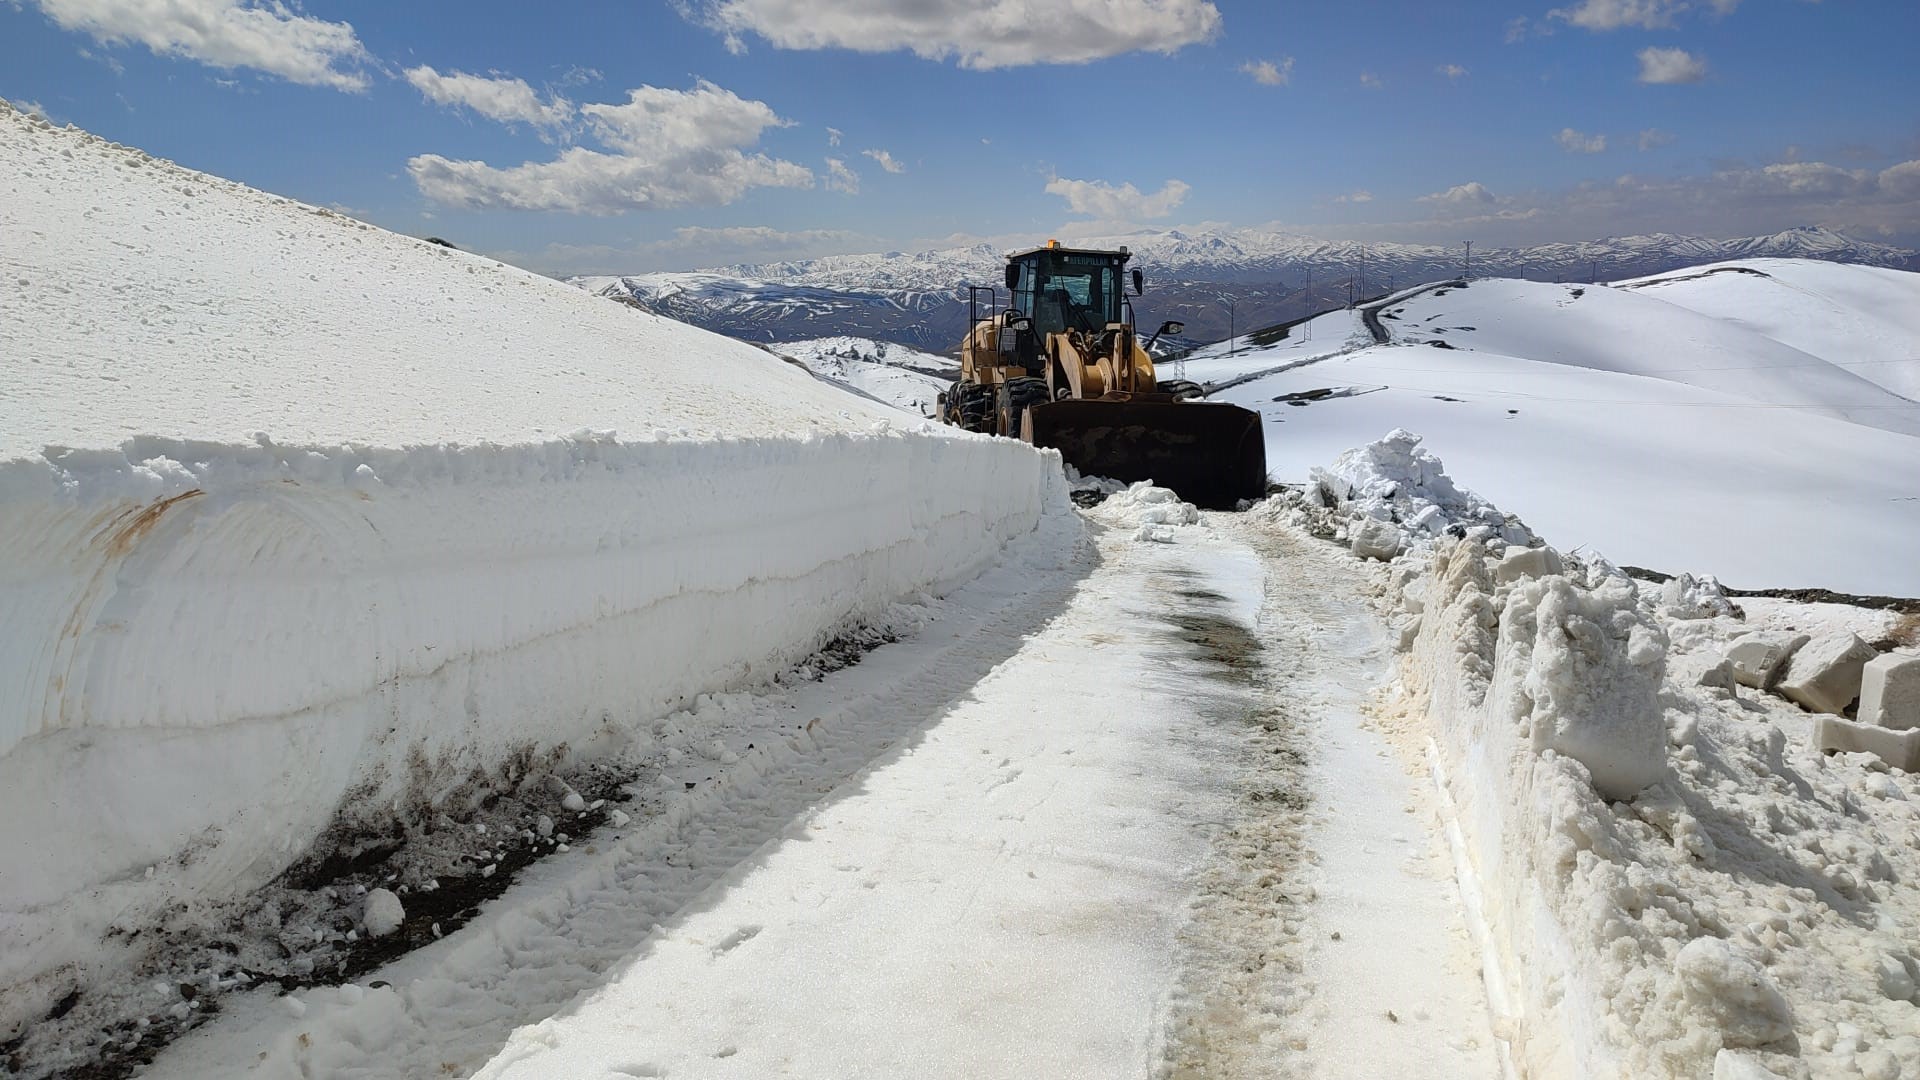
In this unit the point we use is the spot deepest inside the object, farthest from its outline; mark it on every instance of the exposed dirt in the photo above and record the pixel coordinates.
(303, 930)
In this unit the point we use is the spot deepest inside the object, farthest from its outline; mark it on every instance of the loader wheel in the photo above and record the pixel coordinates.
(1183, 389)
(1015, 396)
(970, 407)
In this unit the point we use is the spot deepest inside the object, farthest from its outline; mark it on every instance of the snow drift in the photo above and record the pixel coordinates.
(1666, 878)
(308, 524)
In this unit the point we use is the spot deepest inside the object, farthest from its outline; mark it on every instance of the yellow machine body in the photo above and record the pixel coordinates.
(1062, 367)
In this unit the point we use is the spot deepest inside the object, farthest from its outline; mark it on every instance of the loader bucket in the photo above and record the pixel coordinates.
(1211, 453)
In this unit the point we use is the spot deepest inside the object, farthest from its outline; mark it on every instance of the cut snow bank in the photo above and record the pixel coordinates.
(411, 587)
(1672, 880)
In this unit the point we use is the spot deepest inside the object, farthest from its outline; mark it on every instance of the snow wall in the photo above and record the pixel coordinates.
(214, 652)
(413, 587)
(1499, 668)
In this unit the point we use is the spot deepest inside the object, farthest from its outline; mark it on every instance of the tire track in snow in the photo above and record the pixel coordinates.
(1306, 895)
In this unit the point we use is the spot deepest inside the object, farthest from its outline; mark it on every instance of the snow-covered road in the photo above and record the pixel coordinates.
(1107, 821)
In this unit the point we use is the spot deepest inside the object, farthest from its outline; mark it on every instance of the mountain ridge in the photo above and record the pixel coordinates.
(919, 299)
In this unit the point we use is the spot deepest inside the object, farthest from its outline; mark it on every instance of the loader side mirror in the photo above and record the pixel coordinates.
(1139, 281)
(1019, 324)
(1013, 276)
(1168, 327)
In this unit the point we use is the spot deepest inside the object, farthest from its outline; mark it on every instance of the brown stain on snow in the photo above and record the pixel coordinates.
(124, 530)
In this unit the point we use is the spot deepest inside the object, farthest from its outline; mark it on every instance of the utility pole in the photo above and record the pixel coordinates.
(1309, 310)
(1468, 274)
(1593, 272)
(1228, 301)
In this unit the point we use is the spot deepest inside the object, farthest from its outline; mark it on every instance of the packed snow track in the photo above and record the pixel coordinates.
(1069, 829)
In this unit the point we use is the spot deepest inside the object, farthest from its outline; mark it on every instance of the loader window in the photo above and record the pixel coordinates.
(1073, 293)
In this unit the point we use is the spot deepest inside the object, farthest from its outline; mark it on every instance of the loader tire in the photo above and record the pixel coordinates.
(969, 406)
(1016, 395)
(1183, 389)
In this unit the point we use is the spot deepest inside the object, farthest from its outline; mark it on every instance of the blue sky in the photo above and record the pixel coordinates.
(599, 135)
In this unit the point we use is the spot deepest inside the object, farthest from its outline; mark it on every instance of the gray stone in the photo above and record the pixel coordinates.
(1760, 659)
(1900, 749)
(1824, 676)
(1527, 563)
(1890, 692)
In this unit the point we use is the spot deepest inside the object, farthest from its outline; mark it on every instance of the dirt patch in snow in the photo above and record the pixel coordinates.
(444, 859)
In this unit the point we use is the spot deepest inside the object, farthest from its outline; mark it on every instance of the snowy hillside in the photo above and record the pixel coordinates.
(1614, 420)
(316, 534)
(1863, 319)
(905, 378)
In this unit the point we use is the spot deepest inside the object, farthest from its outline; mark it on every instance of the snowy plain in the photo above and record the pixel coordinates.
(1612, 420)
(371, 530)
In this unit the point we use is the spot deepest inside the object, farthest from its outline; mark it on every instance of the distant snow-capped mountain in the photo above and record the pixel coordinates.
(919, 298)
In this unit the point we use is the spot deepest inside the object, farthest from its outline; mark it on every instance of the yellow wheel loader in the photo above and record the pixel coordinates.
(1061, 367)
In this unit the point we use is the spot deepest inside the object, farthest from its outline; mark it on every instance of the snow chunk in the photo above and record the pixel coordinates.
(1394, 480)
(1582, 670)
(1154, 513)
(1375, 539)
(1890, 692)
(1733, 992)
(1760, 659)
(384, 913)
(1522, 563)
(1824, 676)
(1688, 597)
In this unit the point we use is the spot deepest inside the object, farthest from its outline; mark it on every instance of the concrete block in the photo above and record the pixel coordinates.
(1375, 539)
(1760, 659)
(1890, 692)
(1824, 676)
(1900, 749)
(1527, 563)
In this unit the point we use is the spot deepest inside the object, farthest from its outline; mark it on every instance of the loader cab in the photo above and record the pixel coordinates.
(1064, 289)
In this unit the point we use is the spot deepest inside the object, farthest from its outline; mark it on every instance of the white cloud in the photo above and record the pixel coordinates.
(671, 148)
(1371, 81)
(1268, 73)
(31, 108)
(1574, 142)
(502, 99)
(884, 160)
(1001, 33)
(840, 178)
(1666, 65)
(1618, 14)
(1354, 197)
(270, 37)
(1653, 138)
(1472, 193)
(1606, 15)
(1452, 71)
(1124, 203)
(1902, 181)
(833, 136)
(1516, 30)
